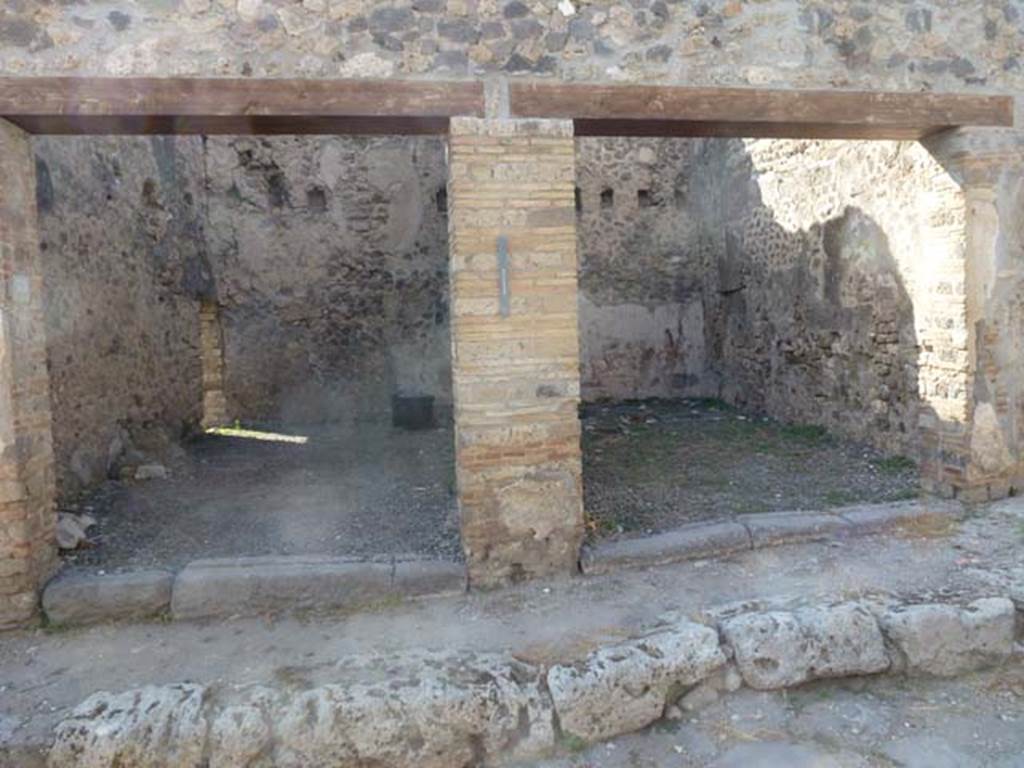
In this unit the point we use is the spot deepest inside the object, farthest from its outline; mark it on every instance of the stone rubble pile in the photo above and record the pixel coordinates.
(438, 710)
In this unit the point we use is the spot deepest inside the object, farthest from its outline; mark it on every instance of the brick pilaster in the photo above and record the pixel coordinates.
(27, 513)
(983, 444)
(211, 350)
(515, 372)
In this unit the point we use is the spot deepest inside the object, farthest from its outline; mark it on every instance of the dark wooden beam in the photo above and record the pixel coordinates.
(634, 110)
(213, 125)
(66, 105)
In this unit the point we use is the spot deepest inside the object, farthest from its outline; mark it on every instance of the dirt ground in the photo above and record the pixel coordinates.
(45, 672)
(377, 491)
(649, 466)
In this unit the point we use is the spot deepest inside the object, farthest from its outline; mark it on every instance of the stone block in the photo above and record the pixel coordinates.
(255, 585)
(946, 640)
(771, 528)
(877, 518)
(414, 578)
(427, 710)
(441, 712)
(88, 598)
(685, 543)
(622, 688)
(151, 726)
(779, 649)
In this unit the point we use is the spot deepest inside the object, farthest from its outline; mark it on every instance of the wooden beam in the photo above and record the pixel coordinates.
(237, 106)
(634, 110)
(69, 105)
(213, 125)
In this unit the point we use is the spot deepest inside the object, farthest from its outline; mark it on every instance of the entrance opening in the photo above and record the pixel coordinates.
(249, 346)
(769, 341)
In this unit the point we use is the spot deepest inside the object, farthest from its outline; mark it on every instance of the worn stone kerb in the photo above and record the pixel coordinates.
(436, 710)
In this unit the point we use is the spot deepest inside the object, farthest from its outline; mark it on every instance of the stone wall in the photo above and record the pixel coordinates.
(124, 262)
(330, 263)
(833, 298)
(894, 44)
(641, 269)
(781, 276)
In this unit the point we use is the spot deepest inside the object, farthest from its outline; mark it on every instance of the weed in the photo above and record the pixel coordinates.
(809, 433)
(840, 498)
(894, 465)
(572, 742)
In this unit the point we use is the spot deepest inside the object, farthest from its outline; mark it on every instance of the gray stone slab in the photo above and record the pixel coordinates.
(686, 543)
(87, 598)
(878, 518)
(415, 578)
(946, 640)
(780, 649)
(255, 585)
(770, 528)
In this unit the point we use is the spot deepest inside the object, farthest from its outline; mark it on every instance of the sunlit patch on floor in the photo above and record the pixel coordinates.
(255, 434)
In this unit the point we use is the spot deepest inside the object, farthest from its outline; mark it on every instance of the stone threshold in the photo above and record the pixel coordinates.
(251, 586)
(758, 531)
(245, 586)
(487, 709)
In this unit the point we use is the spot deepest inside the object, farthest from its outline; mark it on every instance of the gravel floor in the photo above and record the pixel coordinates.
(378, 491)
(650, 466)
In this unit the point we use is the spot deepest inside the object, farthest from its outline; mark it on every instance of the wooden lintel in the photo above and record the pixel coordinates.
(69, 105)
(646, 110)
(231, 105)
(214, 125)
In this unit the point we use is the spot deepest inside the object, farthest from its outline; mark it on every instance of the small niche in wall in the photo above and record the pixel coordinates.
(277, 190)
(679, 195)
(578, 198)
(644, 198)
(441, 200)
(316, 199)
(607, 199)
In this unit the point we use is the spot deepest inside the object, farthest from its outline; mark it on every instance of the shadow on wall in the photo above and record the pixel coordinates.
(833, 296)
(123, 261)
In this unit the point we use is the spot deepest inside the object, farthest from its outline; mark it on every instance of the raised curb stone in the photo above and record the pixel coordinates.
(945, 640)
(424, 710)
(770, 528)
(622, 688)
(685, 543)
(445, 712)
(254, 585)
(877, 518)
(152, 726)
(87, 598)
(428, 577)
(778, 649)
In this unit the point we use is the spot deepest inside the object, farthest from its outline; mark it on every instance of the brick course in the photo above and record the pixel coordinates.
(515, 378)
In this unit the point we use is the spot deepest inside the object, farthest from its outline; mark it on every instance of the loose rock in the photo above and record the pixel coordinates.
(72, 529)
(151, 472)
